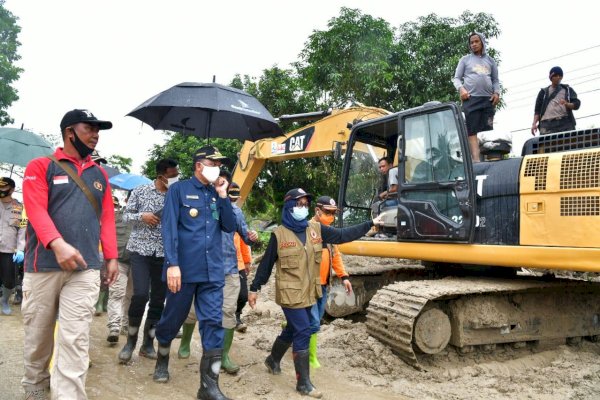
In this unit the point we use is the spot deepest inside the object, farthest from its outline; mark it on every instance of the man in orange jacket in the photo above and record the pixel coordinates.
(332, 260)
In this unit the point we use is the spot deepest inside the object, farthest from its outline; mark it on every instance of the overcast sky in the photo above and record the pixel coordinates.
(111, 55)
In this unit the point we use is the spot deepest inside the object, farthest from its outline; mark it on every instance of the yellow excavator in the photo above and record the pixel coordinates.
(474, 226)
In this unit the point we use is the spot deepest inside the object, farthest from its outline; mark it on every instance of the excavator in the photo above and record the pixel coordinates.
(474, 227)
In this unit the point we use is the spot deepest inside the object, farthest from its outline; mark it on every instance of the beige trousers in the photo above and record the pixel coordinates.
(71, 296)
(231, 291)
(119, 298)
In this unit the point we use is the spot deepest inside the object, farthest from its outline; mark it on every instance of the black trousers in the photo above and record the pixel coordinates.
(243, 296)
(556, 125)
(146, 274)
(8, 270)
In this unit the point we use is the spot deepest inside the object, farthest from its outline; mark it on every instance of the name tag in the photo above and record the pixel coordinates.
(192, 196)
(59, 180)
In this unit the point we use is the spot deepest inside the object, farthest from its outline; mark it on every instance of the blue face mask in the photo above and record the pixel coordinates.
(300, 213)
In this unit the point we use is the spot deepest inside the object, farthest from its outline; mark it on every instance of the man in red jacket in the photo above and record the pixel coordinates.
(62, 258)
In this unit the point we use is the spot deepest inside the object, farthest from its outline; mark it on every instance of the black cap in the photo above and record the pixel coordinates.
(295, 194)
(327, 203)
(5, 181)
(76, 116)
(210, 153)
(555, 71)
(234, 191)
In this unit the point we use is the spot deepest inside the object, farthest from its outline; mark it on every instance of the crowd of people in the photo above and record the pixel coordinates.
(178, 252)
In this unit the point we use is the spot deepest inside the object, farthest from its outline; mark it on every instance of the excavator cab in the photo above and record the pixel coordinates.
(435, 197)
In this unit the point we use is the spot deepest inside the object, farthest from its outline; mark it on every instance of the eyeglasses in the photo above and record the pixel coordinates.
(301, 203)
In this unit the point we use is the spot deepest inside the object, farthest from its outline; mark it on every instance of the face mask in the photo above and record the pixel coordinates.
(4, 193)
(211, 174)
(171, 181)
(326, 219)
(300, 213)
(81, 148)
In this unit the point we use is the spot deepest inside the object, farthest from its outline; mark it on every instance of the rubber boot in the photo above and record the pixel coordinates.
(240, 326)
(5, 296)
(100, 302)
(186, 338)
(303, 383)
(210, 364)
(312, 352)
(127, 350)
(147, 348)
(161, 371)
(277, 351)
(226, 363)
(18, 295)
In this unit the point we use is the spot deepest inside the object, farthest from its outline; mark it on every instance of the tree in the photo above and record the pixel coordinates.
(9, 73)
(120, 162)
(181, 148)
(426, 55)
(350, 60)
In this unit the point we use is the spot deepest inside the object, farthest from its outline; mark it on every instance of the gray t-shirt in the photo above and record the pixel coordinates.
(478, 75)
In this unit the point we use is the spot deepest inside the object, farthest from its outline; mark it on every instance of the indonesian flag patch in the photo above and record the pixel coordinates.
(59, 180)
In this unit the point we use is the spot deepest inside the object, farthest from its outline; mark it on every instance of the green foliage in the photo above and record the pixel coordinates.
(181, 148)
(9, 73)
(120, 162)
(359, 58)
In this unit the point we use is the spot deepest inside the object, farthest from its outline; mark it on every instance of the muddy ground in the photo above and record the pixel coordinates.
(354, 366)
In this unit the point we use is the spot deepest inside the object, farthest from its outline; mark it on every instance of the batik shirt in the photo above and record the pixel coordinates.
(145, 240)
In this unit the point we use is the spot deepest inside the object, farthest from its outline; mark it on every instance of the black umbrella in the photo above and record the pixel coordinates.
(208, 110)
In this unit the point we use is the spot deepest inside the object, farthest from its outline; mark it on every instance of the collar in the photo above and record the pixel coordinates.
(61, 155)
(196, 182)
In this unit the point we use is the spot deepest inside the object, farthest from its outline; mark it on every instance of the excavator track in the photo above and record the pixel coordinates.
(422, 317)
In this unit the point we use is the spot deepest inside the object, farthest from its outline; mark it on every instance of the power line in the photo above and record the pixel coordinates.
(530, 97)
(578, 118)
(531, 90)
(550, 59)
(536, 84)
(572, 70)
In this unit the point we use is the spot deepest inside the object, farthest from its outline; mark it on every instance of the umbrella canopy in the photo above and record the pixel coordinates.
(128, 181)
(18, 146)
(208, 110)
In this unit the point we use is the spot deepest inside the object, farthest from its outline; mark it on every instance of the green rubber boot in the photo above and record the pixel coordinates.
(312, 352)
(186, 339)
(226, 363)
(100, 302)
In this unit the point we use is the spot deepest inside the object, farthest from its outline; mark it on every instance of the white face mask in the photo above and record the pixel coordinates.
(300, 213)
(211, 174)
(171, 181)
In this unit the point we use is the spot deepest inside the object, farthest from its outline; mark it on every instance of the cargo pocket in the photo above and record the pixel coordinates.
(290, 293)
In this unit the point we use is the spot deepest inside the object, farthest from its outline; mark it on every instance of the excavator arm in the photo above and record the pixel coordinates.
(328, 134)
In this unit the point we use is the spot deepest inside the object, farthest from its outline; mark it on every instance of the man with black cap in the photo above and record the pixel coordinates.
(296, 248)
(196, 212)
(554, 106)
(12, 240)
(70, 210)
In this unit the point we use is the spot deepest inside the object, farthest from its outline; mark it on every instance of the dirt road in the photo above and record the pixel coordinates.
(354, 366)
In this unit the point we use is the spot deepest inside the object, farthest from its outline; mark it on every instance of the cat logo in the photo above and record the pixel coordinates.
(297, 143)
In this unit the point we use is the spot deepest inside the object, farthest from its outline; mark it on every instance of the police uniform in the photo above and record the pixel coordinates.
(12, 236)
(193, 218)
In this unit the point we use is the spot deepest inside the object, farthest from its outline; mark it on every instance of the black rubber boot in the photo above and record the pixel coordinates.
(161, 371)
(277, 353)
(304, 385)
(147, 349)
(127, 351)
(210, 364)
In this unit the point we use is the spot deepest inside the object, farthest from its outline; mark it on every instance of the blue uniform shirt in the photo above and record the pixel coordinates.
(229, 251)
(193, 218)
